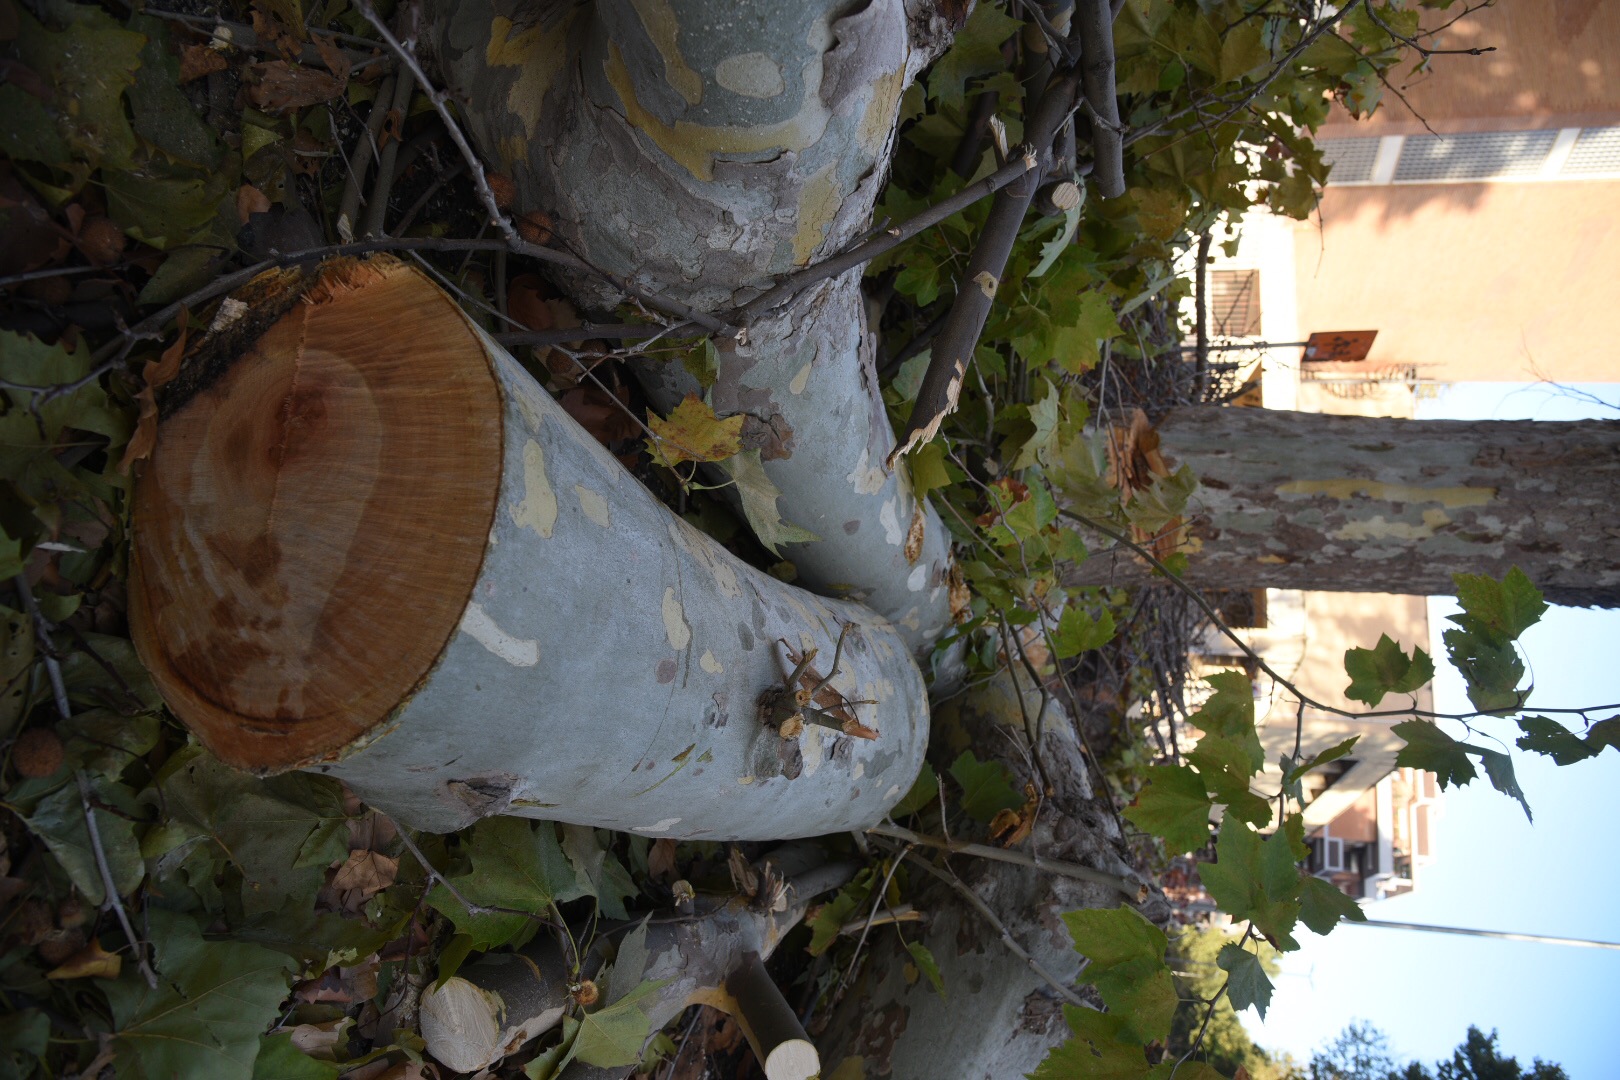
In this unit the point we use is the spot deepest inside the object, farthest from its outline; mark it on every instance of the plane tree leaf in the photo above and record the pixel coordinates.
(1322, 905)
(1385, 669)
(1173, 806)
(1256, 879)
(1247, 982)
(211, 1004)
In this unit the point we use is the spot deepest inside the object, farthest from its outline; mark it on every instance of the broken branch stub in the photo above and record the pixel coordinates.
(369, 545)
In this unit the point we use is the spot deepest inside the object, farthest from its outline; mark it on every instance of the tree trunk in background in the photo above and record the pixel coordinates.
(998, 1018)
(368, 544)
(1361, 504)
(699, 150)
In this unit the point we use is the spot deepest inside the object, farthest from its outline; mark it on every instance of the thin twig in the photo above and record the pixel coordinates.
(877, 902)
(989, 916)
(1135, 891)
(47, 653)
(108, 886)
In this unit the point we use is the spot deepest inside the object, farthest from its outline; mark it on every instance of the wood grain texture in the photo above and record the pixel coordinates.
(311, 524)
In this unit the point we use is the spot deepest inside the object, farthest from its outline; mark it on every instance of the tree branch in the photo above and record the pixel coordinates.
(1094, 21)
(953, 349)
(1134, 891)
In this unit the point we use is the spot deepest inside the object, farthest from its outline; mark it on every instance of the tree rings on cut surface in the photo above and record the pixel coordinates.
(311, 524)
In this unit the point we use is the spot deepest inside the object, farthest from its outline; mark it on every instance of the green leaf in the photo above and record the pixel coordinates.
(161, 210)
(22, 1034)
(1333, 753)
(1256, 879)
(1385, 669)
(1322, 905)
(975, 51)
(282, 833)
(1605, 733)
(611, 1037)
(1144, 993)
(1079, 345)
(1544, 736)
(759, 497)
(88, 64)
(826, 923)
(1173, 806)
(927, 965)
(986, 787)
(1059, 243)
(1247, 983)
(1154, 507)
(1101, 1049)
(1229, 712)
(1112, 936)
(927, 465)
(548, 1063)
(1225, 770)
(1490, 667)
(598, 871)
(279, 1059)
(702, 362)
(1499, 768)
(629, 963)
(1427, 747)
(163, 115)
(1507, 608)
(514, 865)
(1127, 967)
(452, 956)
(212, 1002)
(58, 819)
(923, 790)
(1077, 631)
(1043, 419)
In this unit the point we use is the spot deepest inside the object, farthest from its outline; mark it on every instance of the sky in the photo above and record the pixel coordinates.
(1494, 870)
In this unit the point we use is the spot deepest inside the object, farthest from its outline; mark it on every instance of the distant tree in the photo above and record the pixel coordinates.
(1226, 1043)
(1361, 1052)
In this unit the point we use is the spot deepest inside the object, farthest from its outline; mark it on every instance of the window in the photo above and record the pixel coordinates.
(1234, 303)
(1476, 155)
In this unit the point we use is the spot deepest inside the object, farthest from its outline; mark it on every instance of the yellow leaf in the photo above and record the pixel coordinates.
(694, 433)
(92, 960)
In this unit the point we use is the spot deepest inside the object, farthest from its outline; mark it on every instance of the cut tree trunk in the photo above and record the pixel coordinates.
(1292, 500)
(368, 544)
(702, 150)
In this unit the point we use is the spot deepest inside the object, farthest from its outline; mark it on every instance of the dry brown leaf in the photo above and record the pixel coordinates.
(322, 1040)
(599, 413)
(155, 374)
(272, 31)
(249, 201)
(101, 241)
(199, 60)
(277, 87)
(335, 59)
(502, 187)
(92, 961)
(743, 878)
(661, 860)
(366, 872)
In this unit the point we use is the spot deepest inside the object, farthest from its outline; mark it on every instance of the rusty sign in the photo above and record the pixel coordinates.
(1339, 346)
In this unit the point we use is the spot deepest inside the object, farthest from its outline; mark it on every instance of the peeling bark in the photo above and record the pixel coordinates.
(702, 149)
(1361, 504)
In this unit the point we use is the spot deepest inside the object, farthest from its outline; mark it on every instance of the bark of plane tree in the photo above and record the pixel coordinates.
(1368, 504)
(703, 150)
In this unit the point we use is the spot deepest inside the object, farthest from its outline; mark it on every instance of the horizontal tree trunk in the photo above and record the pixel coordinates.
(1363, 504)
(371, 546)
